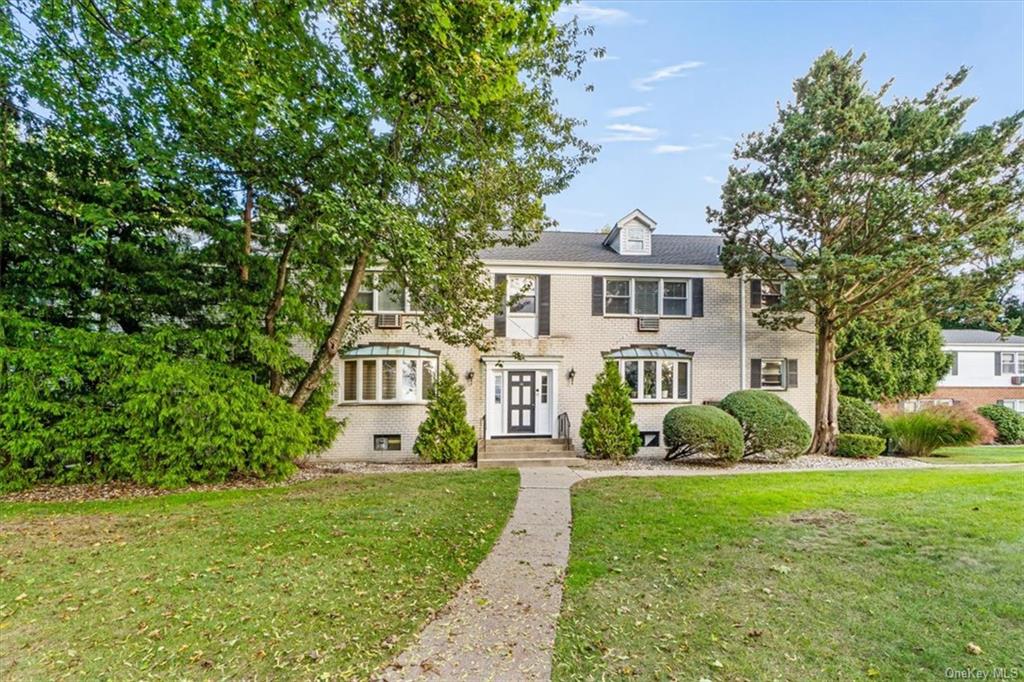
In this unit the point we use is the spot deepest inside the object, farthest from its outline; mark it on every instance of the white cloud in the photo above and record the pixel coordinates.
(665, 73)
(711, 180)
(622, 112)
(672, 148)
(626, 132)
(592, 14)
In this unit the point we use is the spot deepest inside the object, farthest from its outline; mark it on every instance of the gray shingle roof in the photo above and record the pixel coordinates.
(961, 336)
(586, 247)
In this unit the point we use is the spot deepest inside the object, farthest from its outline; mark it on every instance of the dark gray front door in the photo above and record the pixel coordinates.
(522, 406)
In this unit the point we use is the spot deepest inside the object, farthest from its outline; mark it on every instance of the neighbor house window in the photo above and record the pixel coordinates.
(1015, 405)
(388, 379)
(653, 380)
(1012, 363)
(773, 373)
(646, 297)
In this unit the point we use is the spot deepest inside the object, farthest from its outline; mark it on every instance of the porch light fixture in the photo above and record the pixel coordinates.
(572, 375)
(469, 375)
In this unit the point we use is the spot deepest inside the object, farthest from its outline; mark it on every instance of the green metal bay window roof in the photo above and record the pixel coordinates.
(663, 352)
(390, 351)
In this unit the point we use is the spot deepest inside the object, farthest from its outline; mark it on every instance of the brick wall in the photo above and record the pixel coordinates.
(976, 396)
(578, 340)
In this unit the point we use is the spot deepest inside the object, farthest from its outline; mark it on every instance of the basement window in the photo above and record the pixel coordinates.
(387, 442)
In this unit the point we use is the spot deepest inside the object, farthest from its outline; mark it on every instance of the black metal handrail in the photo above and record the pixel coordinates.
(564, 429)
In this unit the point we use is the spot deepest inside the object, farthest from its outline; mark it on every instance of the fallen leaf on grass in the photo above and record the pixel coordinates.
(973, 649)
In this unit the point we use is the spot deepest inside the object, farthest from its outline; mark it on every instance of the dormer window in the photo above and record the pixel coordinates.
(631, 235)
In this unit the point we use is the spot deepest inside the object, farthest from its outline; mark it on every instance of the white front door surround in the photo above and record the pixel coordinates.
(521, 395)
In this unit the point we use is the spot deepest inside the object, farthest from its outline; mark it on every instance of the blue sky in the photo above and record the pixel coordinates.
(683, 80)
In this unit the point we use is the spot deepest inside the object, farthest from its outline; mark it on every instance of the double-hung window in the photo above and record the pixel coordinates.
(387, 374)
(1012, 363)
(773, 373)
(770, 293)
(377, 297)
(646, 297)
(635, 240)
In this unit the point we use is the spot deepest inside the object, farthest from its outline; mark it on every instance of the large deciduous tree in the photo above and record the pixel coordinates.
(870, 207)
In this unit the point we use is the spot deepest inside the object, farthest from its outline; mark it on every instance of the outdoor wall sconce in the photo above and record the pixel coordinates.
(469, 375)
(572, 375)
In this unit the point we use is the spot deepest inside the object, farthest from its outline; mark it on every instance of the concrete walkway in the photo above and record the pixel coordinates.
(501, 624)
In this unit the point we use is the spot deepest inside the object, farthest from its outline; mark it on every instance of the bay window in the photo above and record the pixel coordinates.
(399, 374)
(646, 297)
(656, 380)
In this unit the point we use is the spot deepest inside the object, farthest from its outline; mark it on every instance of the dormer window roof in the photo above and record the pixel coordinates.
(631, 235)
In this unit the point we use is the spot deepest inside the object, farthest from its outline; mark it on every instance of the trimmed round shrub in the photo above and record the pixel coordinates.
(771, 426)
(860, 417)
(1009, 424)
(702, 430)
(919, 434)
(859, 445)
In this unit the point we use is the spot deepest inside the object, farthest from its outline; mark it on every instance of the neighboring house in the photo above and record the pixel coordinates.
(986, 370)
(660, 306)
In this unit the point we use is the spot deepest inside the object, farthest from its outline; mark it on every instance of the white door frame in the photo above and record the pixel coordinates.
(496, 394)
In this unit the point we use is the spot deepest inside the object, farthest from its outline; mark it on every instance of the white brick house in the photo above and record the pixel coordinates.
(660, 305)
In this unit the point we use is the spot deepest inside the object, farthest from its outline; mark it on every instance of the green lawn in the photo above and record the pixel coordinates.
(328, 578)
(978, 454)
(853, 575)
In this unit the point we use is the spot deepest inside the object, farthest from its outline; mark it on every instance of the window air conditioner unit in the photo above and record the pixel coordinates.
(647, 324)
(389, 321)
(1017, 380)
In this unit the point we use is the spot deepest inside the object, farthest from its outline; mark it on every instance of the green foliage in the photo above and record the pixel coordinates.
(80, 406)
(702, 430)
(886, 363)
(859, 445)
(607, 428)
(858, 416)
(919, 434)
(874, 208)
(771, 426)
(1009, 423)
(445, 435)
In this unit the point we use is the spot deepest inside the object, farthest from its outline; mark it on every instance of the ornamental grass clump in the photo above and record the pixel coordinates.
(702, 430)
(919, 434)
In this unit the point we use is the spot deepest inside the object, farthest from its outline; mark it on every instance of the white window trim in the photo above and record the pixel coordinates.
(1017, 405)
(785, 371)
(661, 297)
(420, 399)
(534, 292)
(657, 380)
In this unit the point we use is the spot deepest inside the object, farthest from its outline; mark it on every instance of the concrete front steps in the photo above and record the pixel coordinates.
(526, 452)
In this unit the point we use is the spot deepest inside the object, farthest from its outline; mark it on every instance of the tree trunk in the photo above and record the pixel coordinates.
(243, 270)
(274, 307)
(329, 348)
(826, 394)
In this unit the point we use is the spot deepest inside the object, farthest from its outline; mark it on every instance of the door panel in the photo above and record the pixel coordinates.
(522, 408)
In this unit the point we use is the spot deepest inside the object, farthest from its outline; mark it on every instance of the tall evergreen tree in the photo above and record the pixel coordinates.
(608, 428)
(446, 435)
(865, 207)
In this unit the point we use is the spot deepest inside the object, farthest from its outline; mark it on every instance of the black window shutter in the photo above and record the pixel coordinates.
(999, 364)
(544, 305)
(697, 309)
(499, 317)
(955, 369)
(791, 373)
(755, 293)
(597, 296)
(755, 372)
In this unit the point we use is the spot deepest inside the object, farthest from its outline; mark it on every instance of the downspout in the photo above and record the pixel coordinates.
(743, 334)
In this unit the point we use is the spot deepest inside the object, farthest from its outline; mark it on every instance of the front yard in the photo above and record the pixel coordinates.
(978, 454)
(325, 578)
(887, 574)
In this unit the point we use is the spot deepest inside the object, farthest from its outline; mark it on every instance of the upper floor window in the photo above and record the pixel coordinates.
(773, 373)
(377, 297)
(1012, 363)
(646, 297)
(634, 237)
(522, 295)
(771, 292)
(387, 374)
